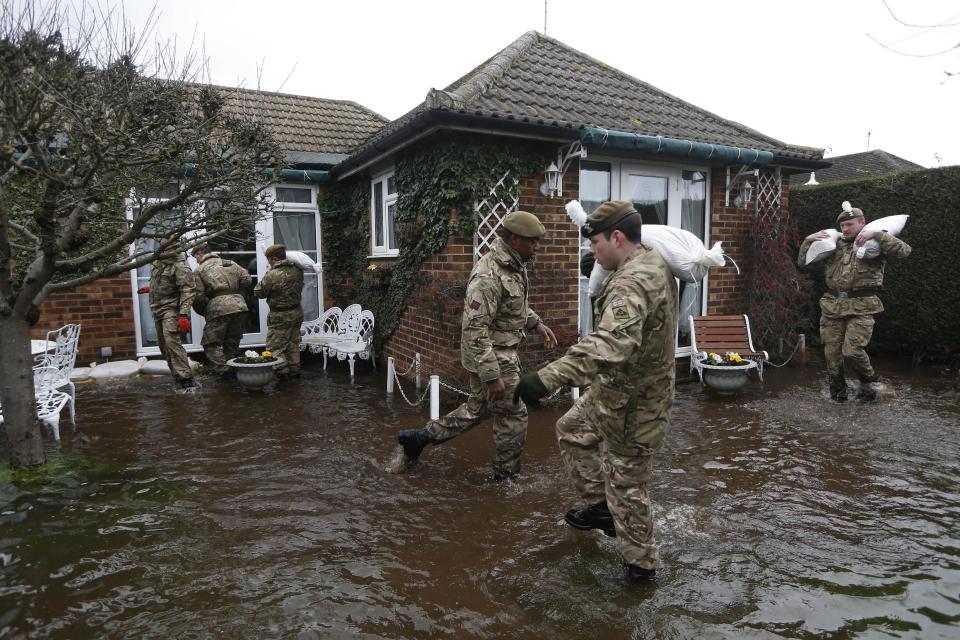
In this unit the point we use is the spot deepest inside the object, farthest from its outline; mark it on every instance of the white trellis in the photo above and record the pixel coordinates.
(501, 200)
(769, 194)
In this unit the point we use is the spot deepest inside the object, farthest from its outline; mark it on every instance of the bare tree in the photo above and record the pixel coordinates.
(94, 126)
(918, 30)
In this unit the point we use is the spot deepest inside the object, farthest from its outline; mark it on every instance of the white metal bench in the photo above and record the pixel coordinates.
(360, 345)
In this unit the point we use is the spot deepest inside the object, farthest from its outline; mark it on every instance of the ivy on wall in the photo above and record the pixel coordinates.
(921, 294)
(439, 182)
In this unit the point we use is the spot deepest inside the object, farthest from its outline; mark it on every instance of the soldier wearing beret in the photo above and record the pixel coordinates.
(282, 286)
(848, 306)
(172, 291)
(495, 316)
(222, 284)
(609, 437)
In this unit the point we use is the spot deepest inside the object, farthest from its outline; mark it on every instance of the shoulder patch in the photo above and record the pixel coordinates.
(617, 303)
(620, 313)
(474, 305)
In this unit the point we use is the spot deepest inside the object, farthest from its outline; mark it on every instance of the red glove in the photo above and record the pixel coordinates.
(183, 323)
(143, 290)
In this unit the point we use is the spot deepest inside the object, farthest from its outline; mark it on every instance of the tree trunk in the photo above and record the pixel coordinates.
(16, 393)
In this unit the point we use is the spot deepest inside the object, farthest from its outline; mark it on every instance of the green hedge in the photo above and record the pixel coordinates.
(921, 293)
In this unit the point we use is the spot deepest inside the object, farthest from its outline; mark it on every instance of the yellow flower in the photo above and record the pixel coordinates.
(711, 354)
(372, 267)
(735, 357)
(266, 354)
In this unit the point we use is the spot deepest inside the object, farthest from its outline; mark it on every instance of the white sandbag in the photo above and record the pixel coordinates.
(303, 261)
(80, 373)
(824, 247)
(683, 252)
(160, 367)
(118, 369)
(891, 224)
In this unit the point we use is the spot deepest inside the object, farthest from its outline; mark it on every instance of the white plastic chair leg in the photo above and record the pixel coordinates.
(324, 358)
(54, 423)
(350, 358)
(73, 399)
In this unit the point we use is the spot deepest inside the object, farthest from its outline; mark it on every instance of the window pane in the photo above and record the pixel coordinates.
(391, 226)
(649, 196)
(594, 184)
(378, 214)
(294, 195)
(391, 188)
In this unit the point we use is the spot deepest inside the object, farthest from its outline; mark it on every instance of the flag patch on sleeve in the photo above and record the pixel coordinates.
(474, 305)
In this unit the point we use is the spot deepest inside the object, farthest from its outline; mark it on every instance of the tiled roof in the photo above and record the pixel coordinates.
(853, 166)
(302, 123)
(539, 80)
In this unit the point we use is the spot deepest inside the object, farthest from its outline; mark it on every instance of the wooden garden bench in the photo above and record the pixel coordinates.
(722, 334)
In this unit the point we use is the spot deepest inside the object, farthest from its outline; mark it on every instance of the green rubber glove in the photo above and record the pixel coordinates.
(530, 389)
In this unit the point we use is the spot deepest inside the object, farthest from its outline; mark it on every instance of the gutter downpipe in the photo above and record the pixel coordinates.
(673, 147)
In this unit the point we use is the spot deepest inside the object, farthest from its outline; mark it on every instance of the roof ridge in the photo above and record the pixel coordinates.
(484, 75)
(715, 116)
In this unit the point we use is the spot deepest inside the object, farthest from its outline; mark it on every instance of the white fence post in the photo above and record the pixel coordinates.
(575, 393)
(416, 358)
(390, 370)
(434, 397)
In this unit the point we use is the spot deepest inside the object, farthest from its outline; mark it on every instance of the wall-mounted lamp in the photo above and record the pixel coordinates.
(552, 186)
(552, 180)
(743, 198)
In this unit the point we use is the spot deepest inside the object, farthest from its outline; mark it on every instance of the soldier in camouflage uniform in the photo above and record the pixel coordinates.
(283, 289)
(221, 284)
(171, 295)
(609, 437)
(495, 314)
(848, 306)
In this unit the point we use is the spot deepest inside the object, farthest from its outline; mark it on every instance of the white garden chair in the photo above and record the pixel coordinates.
(314, 332)
(360, 345)
(347, 326)
(62, 355)
(49, 401)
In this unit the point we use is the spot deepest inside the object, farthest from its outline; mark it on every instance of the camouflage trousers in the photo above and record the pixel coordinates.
(283, 338)
(509, 419)
(617, 475)
(171, 348)
(847, 337)
(221, 339)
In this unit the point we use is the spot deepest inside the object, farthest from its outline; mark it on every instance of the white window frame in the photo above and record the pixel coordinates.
(620, 168)
(382, 250)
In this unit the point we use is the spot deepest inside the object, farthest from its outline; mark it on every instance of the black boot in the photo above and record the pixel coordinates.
(595, 516)
(413, 442)
(639, 574)
(186, 383)
(868, 388)
(838, 387)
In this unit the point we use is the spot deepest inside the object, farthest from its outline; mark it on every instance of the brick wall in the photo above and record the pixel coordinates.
(104, 309)
(431, 323)
(727, 291)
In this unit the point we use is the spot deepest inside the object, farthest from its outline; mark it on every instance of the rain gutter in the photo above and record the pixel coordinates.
(673, 147)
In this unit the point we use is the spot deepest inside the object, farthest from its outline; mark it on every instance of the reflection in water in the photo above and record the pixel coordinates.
(271, 515)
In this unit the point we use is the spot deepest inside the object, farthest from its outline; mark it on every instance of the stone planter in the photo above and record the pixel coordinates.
(254, 376)
(726, 380)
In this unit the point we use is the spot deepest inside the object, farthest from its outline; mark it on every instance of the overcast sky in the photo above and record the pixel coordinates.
(805, 73)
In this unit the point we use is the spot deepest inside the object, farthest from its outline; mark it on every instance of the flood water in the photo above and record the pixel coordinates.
(230, 514)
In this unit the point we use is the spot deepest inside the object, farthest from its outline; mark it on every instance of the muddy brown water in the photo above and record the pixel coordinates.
(241, 515)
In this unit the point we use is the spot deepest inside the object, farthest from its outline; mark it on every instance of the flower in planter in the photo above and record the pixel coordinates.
(252, 357)
(729, 359)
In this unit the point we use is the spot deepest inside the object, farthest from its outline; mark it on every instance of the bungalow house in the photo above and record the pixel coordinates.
(585, 131)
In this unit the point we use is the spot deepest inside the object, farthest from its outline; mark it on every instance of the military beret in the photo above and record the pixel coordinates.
(848, 213)
(275, 251)
(200, 248)
(524, 224)
(605, 216)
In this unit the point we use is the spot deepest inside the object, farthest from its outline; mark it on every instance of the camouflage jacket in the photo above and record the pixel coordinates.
(495, 310)
(629, 358)
(282, 286)
(222, 282)
(171, 286)
(846, 276)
